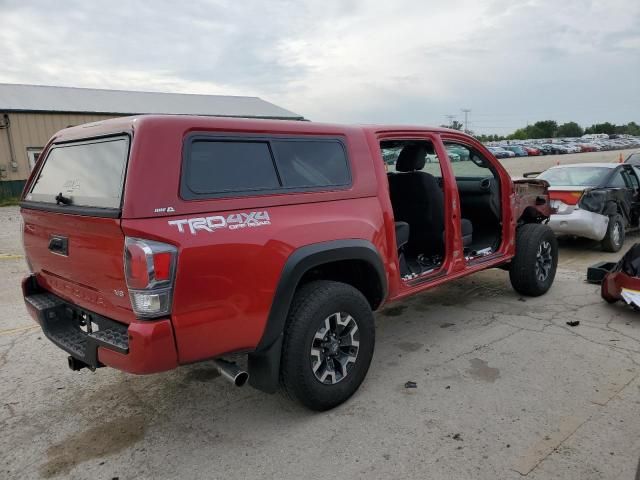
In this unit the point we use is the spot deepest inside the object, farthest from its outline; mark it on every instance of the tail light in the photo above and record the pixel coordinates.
(568, 198)
(150, 269)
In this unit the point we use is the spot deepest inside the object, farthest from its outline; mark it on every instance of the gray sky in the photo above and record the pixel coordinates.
(509, 61)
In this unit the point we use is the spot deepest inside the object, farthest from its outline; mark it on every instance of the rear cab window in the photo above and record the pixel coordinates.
(83, 175)
(224, 167)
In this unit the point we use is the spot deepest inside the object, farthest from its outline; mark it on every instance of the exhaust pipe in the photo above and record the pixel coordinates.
(231, 372)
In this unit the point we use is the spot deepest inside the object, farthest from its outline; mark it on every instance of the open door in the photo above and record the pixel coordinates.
(416, 190)
(479, 190)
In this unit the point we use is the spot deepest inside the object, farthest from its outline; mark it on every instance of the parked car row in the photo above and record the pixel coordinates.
(560, 146)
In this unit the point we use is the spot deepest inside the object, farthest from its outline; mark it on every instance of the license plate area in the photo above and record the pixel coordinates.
(83, 320)
(77, 331)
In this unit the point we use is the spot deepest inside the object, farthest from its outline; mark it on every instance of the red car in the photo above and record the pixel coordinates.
(587, 147)
(533, 151)
(159, 241)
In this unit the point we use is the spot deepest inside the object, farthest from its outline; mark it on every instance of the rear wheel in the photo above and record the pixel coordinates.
(534, 266)
(614, 238)
(328, 344)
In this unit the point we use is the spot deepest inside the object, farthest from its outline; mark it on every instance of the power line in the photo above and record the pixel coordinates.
(466, 114)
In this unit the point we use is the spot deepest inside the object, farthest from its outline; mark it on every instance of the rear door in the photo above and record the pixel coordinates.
(633, 183)
(72, 235)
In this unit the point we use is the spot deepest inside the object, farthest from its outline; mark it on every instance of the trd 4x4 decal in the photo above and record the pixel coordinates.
(232, 222)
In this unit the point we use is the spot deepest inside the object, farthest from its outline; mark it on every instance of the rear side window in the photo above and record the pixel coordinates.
(311, 163)
(218, 167)
(86, 174)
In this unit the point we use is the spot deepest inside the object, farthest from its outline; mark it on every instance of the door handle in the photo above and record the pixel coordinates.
(59, 245)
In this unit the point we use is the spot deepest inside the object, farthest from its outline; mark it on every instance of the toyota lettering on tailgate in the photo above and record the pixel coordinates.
(215, 222)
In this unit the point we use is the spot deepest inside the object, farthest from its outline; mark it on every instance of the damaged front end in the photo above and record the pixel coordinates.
(531, 201)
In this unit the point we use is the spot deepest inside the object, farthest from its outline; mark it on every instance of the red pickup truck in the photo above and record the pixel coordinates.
(158, 241)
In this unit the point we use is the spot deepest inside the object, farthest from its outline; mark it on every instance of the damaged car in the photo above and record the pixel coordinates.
(598, 201)
(620, 280)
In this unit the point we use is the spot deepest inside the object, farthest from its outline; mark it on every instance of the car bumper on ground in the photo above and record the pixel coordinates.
(580, 223)
(141, 347)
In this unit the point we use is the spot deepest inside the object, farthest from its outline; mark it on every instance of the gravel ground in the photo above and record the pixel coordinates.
(504, 389)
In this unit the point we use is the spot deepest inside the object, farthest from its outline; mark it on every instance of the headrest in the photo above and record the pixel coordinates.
(411, 158)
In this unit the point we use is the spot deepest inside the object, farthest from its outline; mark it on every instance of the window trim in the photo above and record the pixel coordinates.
(630, 174)
(187, 194)
(32, 152)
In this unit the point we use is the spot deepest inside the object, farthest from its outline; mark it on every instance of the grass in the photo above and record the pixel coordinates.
(9, 201)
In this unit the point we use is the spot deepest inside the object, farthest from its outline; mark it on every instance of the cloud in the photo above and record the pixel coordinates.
(346, 61)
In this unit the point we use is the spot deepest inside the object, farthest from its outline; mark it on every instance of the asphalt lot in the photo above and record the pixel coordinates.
(505, 389)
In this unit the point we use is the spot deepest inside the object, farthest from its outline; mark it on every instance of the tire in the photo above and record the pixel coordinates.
(534, 266)
(614, 238)
(315, 306)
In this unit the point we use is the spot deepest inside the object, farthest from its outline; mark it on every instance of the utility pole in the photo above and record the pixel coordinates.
(450, 118)
(466, 119)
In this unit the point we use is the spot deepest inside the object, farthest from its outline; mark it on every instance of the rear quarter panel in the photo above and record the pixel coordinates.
(226, 278)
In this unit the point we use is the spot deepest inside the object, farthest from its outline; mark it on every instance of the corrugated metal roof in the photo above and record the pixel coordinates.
(40, 98)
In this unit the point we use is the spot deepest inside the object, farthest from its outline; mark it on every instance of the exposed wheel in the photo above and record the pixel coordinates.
(328, 344)
(534, 266)
(614, 238)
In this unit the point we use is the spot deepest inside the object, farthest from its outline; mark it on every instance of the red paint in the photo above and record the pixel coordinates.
(151, 349)
(226, 279)
(570, 198)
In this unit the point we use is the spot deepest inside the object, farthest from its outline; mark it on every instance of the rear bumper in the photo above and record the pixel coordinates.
(140, 347)
(580, 223)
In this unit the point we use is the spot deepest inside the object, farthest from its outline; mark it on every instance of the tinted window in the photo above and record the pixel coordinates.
(311, 163)
(227, 166)
(631, 178)
(617, 180)
(90, 174)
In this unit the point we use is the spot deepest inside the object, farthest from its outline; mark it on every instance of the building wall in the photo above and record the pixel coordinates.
(31, 131)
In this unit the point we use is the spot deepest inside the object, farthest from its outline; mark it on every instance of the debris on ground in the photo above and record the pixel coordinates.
(573, 323)
(411, 385)
(458, 437)
(619, 281)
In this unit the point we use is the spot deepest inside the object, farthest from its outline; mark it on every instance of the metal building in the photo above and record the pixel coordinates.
(31, 114)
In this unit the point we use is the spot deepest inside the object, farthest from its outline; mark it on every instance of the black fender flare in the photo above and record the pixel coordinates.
(264, 362)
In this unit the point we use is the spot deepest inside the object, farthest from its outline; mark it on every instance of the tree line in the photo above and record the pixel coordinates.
(551, 129)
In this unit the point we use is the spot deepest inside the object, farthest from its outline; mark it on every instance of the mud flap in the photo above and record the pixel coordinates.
(264, 367)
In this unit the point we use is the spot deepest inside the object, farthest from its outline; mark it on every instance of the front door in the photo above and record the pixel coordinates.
(422, 204)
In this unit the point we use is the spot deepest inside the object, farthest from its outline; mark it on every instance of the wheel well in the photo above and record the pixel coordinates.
(357, 273)
(531, 215)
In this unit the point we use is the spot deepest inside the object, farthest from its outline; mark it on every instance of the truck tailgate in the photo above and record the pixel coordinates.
(79, 258)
